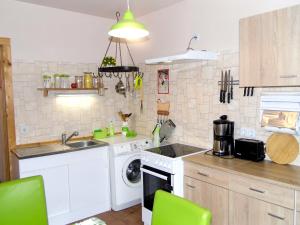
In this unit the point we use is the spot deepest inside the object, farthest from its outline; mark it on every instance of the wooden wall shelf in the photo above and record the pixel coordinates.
(70, 90)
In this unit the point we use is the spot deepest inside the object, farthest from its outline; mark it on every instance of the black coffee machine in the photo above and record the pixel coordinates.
(223, 137)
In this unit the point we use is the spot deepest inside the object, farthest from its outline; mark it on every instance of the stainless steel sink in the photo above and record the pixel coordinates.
(85, 144)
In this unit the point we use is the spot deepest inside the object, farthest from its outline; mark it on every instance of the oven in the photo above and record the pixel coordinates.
(153, 180)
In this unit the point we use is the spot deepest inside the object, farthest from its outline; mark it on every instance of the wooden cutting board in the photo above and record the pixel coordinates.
(282, 148)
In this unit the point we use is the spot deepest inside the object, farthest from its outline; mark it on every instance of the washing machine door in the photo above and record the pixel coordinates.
(131, 172)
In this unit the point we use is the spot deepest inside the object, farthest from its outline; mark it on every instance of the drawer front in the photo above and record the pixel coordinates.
(245, 210)
(206, 174)
(264, 191)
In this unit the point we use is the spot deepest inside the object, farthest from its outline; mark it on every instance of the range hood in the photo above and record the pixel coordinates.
(190, 55)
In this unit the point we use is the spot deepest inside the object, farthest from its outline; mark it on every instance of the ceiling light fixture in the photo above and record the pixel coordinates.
(128, 27)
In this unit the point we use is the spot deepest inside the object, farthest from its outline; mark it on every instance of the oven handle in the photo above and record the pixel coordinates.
(154, 174)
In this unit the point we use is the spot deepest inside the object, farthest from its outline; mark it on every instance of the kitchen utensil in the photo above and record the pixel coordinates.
(231, 88)
(282, 148)
(142, 99)
(225, 88)
(120, 88)
(166, 130)
(124, 117)
(252, 91)
(101, 86)
(100, 133)
(228, 87)
(221, 86)
(138, 82)
(127, 83)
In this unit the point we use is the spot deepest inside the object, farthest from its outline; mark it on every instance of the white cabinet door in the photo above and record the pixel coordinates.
(56, 182)
(89, 182)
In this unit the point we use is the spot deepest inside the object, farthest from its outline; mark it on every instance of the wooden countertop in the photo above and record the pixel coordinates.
(284, 175)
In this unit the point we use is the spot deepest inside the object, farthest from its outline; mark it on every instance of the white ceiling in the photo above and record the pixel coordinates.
(106, 8)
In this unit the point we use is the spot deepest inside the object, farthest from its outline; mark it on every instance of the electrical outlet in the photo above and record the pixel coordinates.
(24, 129)
(247, 132)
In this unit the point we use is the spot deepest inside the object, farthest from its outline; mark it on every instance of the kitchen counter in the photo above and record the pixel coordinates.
(284, 175)
(50, 149)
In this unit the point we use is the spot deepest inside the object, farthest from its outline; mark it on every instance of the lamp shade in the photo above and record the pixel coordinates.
(128, 28)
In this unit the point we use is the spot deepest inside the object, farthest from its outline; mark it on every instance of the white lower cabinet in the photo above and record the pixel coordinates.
(76, 183)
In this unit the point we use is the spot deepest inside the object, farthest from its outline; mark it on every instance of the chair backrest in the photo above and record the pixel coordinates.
(169, 209)
(22, 202)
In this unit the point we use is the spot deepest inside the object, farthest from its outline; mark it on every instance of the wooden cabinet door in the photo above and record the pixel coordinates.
(209, 196)
(244, 210)
(269, 49)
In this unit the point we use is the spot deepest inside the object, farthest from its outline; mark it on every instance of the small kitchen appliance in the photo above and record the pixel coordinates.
(249, 149)
(162, 169)
(223, 136)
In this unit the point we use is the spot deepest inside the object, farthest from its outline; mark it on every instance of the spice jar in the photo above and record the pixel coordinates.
(88, 80)
(56, 80)
(79, 81)
(64, 81)
(47, 81)
(96, 82)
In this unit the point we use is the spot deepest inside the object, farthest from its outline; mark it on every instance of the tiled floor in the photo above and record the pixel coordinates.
(130, 216)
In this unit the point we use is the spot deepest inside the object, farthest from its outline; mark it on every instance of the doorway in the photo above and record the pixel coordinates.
(7, 119)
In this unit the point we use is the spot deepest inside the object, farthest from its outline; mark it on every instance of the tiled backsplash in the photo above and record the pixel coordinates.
(194, 98)
(41, 118)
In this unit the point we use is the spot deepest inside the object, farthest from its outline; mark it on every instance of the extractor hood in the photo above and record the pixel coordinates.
(190, 55)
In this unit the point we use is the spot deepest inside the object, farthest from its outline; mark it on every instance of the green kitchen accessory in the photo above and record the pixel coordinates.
(131, 134)
(125, 128)
(111, 129)
(100, 134)
(138, 82)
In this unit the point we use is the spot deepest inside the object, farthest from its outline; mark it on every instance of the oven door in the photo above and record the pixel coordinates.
(153, 180)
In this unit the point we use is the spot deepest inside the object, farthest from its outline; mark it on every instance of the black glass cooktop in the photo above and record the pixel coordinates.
(175, 150)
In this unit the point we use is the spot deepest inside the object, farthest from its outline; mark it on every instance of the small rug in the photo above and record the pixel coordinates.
(92, 221)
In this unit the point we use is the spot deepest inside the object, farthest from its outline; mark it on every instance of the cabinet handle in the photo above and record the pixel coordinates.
(191, 186)
(202, 174)
(256, 190)
(289, 76)
(275, 216)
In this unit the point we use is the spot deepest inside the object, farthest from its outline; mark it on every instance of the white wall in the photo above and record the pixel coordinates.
(215, 21)
(48, 34)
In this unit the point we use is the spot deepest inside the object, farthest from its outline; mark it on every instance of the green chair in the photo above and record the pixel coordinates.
(22, 202)
(169, 209)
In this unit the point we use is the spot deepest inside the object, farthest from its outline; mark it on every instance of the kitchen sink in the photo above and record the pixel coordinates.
(85, 144)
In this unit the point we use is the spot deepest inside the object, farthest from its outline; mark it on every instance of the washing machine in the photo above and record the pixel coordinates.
(125, 162)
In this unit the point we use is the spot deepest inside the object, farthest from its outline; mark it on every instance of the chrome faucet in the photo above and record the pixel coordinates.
(65, 139)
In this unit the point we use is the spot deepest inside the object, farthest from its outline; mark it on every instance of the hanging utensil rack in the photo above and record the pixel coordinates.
(120, 70)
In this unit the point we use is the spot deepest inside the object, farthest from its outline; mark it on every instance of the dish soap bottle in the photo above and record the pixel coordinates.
(156, 138)
(125, 128)
(111, 129)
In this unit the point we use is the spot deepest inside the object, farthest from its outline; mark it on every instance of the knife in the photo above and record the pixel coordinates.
(221, 90)
(225, 88)
(229, 87)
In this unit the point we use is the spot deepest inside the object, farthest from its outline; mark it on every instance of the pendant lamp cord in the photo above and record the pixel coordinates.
(128, 7)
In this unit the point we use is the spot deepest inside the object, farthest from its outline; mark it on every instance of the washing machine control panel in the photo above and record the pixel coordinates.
(141, 145)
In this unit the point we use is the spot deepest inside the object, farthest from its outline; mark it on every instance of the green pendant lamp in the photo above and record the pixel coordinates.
(128, 27)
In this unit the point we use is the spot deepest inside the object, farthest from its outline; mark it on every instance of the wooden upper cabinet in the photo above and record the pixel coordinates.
(270, 49)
